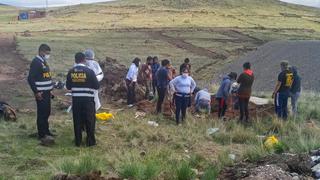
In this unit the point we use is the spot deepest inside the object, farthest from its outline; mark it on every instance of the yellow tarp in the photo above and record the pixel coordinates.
(104, 116)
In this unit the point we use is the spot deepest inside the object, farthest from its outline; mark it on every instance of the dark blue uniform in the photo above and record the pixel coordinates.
(82, 81)
(40, 81)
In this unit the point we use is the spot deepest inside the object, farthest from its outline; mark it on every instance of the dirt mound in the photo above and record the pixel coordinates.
(96, 175)
(266, 63)
(284, 166)
(113, 84)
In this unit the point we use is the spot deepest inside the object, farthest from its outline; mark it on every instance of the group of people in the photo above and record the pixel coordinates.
(83, 83)
(158, 78)
(234, 90)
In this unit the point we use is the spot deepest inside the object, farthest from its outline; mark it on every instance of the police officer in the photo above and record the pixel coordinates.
(41, 84)
(83, 82)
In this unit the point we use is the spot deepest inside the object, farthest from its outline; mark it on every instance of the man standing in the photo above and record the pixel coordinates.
(245, 82)
(185, 65)
(155, 66)
(94, 65)
(41, 84)
(83, 83)
(224, 92)
(162, 83)
(282, 90)
(131, 80)
(295, 90)
(145, 76)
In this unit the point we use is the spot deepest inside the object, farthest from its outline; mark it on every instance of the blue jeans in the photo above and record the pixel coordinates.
(182, 103)
(281, 104)
(294, 102)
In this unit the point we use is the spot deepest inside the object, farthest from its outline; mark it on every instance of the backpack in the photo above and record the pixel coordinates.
(7, 112)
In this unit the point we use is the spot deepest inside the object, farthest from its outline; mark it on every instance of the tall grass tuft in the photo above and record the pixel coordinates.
(184, 172)
(211, 173)
(85, 164)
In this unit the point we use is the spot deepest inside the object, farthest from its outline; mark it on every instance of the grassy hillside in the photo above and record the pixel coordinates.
(211, 33)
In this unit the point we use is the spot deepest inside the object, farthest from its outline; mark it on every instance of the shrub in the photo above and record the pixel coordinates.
(131, 171)
(222, 138)
(255, 153)
(197, 161)
(84, 165)
(211, 173)
(184, 172)
(224, 159)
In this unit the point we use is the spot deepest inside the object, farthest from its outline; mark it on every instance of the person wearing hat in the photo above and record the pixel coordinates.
(94, 65)
(281, 92)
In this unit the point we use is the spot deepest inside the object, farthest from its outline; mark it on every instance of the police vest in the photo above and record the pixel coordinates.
(44, 82)
(80, 81)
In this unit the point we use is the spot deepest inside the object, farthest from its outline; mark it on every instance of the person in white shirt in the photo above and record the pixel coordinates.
(131, 80)
(94, 65)
(183, 86)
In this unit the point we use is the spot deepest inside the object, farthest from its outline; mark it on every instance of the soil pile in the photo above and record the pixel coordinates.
(113, 85)
(284, 166)
(266, 63)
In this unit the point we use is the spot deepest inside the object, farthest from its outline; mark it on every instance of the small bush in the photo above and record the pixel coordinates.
(211, 173)
(151, 170)
(197, 161)
(222, 138)
(184, 172)
(131, 171)
(255, 153)
(224, 159)
(84, 165)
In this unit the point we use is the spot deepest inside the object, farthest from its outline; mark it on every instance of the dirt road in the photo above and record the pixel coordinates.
(13, 70)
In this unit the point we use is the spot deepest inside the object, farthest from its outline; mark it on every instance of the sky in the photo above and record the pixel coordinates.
(315, 3)
(53, 3)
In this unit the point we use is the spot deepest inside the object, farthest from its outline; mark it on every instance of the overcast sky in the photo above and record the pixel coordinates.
(37, 3)
(42, 3)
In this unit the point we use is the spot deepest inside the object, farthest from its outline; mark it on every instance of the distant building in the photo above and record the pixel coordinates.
(31, 14)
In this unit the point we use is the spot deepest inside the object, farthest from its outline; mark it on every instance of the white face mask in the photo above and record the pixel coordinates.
(47, 56)
(185, 75)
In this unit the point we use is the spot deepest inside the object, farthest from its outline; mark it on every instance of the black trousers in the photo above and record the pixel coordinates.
(222, 107)
(131, 94)
(161, 95)
(43, 113)
(84, 116)
(154, 86)
(244, 109)
(182, 103)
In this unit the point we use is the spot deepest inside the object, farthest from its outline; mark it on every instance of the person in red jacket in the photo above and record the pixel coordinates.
(245, 81)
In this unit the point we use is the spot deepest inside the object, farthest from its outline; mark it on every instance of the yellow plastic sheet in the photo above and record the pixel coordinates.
(104, 116)
(270, 142)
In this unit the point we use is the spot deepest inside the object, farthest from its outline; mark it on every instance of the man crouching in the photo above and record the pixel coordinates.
(83, 82)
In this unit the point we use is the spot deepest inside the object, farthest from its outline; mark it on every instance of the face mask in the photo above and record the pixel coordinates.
(47, 56)
(185, 75)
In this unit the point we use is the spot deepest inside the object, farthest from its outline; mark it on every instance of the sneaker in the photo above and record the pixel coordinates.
(130, 105)
(47, 141)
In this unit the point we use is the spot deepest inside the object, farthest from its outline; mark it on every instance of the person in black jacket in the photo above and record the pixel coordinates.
(39, 79)
(83, 82)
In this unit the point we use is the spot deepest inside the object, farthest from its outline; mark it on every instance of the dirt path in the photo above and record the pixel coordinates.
(13, 70)
(187, 46)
